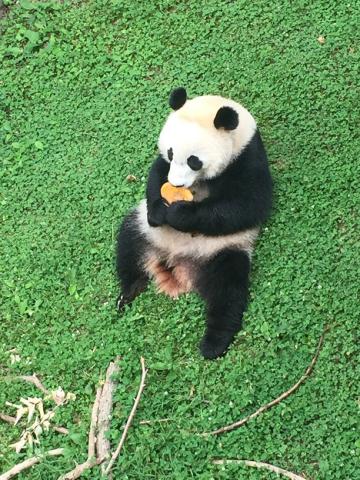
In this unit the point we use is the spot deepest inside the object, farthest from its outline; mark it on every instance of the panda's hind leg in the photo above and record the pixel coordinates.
(223, 284)
(131, 249)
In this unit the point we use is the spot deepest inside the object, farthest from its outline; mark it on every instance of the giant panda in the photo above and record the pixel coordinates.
(212, 146)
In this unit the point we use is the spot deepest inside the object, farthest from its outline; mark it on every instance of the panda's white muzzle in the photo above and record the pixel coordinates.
(181, 175)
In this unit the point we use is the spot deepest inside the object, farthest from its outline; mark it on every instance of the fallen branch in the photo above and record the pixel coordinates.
(91, 460)
(129, 420)
(20, 467)
(12, 421)
(105, 407)
(266, 466)
(277, 400)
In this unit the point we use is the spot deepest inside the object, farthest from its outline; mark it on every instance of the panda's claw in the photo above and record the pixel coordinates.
(121, 302)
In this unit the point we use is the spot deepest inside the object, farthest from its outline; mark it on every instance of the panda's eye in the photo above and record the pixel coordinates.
(194, 162)
(170, 154)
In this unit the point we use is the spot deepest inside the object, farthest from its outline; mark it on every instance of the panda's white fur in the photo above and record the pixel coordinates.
(197, 246)
(191, 131)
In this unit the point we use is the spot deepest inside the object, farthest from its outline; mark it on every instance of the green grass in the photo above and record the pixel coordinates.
(83, 95)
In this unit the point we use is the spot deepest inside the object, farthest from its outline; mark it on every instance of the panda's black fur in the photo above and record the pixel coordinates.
(238, 200)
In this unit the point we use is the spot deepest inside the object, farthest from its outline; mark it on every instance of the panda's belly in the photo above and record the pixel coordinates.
(179, 244)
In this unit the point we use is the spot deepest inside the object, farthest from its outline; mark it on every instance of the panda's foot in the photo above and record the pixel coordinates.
(215, 344)
(169, 280)
(122, 301)
(125, 298)
(167, 283)
(182, 274)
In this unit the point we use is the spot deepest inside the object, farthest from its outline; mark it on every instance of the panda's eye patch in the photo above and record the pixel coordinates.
(194, 162)
(170, 154)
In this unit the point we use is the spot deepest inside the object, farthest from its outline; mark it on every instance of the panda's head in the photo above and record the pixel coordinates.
(202, 136)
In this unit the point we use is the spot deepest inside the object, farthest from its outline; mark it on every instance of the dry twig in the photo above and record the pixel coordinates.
(29, 463)
(12, 420)
(277, 400)
(129, 420)
(7, 418)
(156, 420)
(91, 460)
(267, 466)
(35, 381)
(105, 408)
(62, 430)
(98, 448)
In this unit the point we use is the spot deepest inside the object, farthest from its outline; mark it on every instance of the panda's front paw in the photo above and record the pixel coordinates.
(180, 215)
(156, 213)
(215, 344)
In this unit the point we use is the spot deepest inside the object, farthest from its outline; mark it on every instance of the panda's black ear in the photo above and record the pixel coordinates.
(177, 98)
(226, 118)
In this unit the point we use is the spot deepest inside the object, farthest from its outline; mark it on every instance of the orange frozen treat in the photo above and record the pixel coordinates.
(175, 194)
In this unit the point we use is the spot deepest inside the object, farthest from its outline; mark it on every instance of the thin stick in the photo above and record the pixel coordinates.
(7, 418)
(12, 420)
(129, 420)
(78, 470)
(15, 470)
(267, 466)
(62, 430)
(93, 424)
(34, 380)
(156, 420)
(91, 460)
(277, 400)
(105, 408)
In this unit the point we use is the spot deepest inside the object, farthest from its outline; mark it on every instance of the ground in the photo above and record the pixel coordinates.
(83, 95)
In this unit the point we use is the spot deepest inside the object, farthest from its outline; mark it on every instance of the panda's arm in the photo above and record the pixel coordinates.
(155, 206)
(224, 215)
